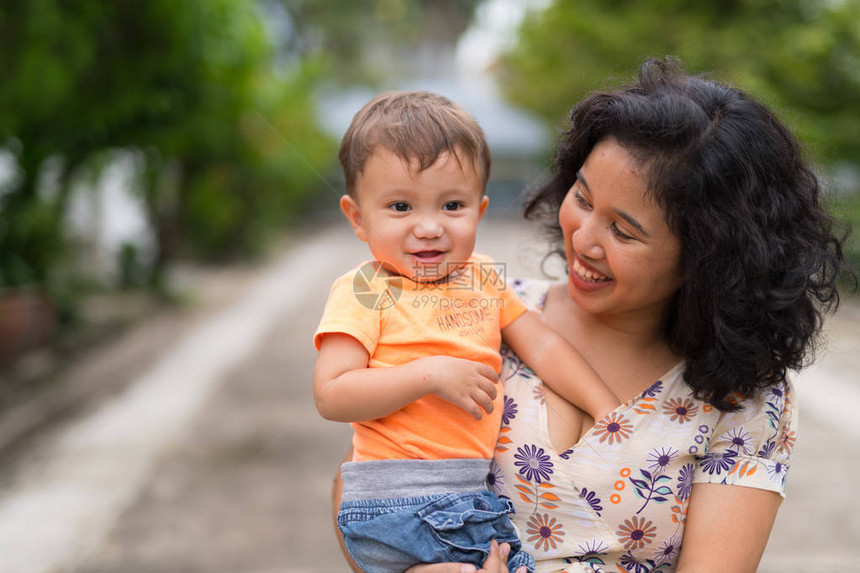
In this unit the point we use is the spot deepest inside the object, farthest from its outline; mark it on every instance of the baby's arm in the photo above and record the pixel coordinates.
(346, 390)
(559, 365)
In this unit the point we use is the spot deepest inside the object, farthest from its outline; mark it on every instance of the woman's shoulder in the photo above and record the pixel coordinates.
(532, 291)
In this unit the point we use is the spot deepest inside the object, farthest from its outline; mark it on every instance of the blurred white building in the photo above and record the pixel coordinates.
(107, 215)
(458, 66)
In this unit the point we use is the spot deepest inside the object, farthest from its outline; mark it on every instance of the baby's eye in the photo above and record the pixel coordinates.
(400, 206)
(452, 205)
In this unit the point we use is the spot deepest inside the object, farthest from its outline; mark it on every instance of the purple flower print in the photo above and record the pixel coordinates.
(534, 463)
(739, 438)
(565, 455)
(512, 364)
(630, 563)
(660, 458)
(766, 449)
(495, 479)
(653, 390)
(685, 482)
(589, 552)
(592, 500)
(718, 462)
(668, 550)
(777, 472)
(592, 547)
(510, 411)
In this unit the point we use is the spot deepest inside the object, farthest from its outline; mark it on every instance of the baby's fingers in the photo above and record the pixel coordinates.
(483, 400)
(472, 407)
(488, 372)
(488, 387)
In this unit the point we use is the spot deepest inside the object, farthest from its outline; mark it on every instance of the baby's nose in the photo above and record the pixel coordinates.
(428, 228)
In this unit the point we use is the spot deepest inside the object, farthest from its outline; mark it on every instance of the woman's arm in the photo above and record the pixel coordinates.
(336, 496)
(346, 390)
(727, 528)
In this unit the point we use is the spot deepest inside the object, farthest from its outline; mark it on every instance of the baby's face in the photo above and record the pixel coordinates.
(420, 225)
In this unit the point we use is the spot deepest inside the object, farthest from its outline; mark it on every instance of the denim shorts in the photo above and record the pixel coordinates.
(392, 534)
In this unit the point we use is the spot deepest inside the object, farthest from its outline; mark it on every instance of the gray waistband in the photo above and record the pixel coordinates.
(385, 479)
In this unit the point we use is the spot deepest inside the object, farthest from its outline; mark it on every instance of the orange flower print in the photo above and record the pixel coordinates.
(544, 531)
(635, 533)
(613, 427)
(680, 409)
(786, 441)
(678, 515)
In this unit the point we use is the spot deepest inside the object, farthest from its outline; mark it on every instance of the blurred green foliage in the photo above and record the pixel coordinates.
(846, 208)
(192, 85)
(352, 34)
(800, 56)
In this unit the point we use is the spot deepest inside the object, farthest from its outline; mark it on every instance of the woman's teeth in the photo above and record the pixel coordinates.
(587, 275)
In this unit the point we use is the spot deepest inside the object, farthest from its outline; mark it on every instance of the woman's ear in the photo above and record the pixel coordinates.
(352, 212)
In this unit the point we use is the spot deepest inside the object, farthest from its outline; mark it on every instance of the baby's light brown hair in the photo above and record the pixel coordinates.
(416, 126)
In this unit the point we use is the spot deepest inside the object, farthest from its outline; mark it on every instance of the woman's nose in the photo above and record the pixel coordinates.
(428, 227)
(586, 239)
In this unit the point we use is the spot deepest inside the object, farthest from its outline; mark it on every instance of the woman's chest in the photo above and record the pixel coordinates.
(566, 423)
(622, 489)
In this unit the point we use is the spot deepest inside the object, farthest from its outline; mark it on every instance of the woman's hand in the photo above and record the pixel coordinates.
(495, 563)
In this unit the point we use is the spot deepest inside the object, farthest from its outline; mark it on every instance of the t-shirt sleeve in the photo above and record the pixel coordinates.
(345, 314)
(752, 447)
(512, 306)
(493, 276)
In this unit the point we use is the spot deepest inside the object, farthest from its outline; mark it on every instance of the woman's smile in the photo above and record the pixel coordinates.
(587, 274)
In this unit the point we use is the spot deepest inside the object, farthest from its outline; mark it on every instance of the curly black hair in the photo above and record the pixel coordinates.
(759, 255)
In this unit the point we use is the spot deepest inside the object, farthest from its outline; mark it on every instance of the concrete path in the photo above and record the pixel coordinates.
(214, 459)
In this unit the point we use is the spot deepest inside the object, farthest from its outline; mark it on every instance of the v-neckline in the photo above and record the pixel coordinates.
(625, 406)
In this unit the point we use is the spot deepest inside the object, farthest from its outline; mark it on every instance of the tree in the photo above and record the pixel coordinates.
(187, 83)
(800, 56)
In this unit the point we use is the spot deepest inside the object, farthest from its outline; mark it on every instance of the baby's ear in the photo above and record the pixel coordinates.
(353, 214)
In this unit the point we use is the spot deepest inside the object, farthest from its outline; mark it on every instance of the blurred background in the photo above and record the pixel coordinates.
(169, 228)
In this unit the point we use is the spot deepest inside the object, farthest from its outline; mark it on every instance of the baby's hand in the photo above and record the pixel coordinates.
(465, 383)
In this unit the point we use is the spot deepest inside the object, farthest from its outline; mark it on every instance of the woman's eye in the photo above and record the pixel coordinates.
(580, 199)
(453, 205)
(399, 206)
(621, 234)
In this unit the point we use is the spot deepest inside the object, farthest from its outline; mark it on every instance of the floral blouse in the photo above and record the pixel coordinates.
(617, 500)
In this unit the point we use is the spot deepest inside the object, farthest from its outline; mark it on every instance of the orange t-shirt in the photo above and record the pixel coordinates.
(398, 320)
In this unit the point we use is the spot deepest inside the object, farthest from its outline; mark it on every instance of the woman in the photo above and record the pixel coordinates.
(700, 261)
